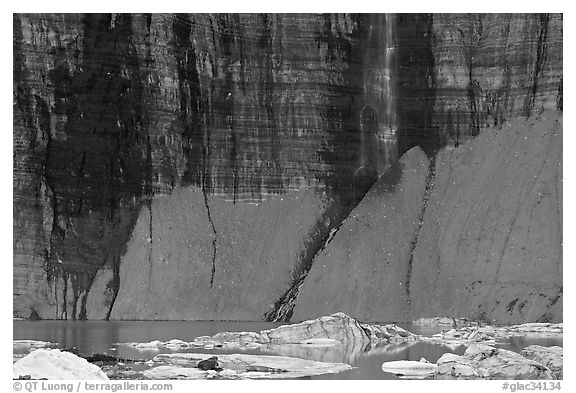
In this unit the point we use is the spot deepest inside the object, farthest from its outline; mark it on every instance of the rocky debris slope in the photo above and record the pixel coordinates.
(56, 364)
(364, 269)
(486, 362)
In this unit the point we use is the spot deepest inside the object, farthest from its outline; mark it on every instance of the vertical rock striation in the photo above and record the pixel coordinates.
(112, 110)
(493, 67)
(128, 126)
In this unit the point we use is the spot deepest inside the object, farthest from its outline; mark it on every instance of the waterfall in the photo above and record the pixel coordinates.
(388, 136)
(378, 120)
(389, 86)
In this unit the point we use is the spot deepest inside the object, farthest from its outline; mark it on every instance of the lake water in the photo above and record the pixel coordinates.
(103, 337)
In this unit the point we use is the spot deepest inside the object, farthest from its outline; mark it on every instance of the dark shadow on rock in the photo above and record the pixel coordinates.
(209, 364)
(100, 358)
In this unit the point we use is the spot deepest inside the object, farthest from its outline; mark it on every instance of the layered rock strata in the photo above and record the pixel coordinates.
(489, 68)
(113, 112)
(113, 109)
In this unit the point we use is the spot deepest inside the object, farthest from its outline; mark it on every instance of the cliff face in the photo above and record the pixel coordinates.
(111, 110)
(490, 246)
(494, 67)
(233, 270)
(363, 269)
(477, 235)
(114, 113)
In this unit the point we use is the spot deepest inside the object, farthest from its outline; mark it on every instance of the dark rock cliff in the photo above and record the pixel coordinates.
(493, 67)
(239, 116)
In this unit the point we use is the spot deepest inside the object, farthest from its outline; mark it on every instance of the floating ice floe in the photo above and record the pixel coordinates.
(486, 362)
(239, 366)
(320, 342)
(55, 364)
(23, 344)
(155, 345)
(551, 357)
(175, 372)
(326, 331)
(410, 368)
(446, 322)
(488, 334)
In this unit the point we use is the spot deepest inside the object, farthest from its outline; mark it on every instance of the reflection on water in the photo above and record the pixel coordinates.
(102, 337)
(516, 344)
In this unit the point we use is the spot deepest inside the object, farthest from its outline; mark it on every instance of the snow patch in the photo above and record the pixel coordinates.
(55, 364)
